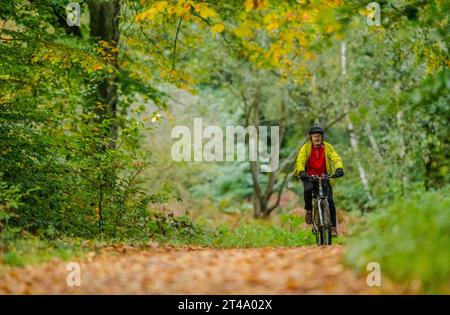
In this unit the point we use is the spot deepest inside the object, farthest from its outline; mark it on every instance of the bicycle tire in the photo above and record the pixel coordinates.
(316, 220)
(322, 235)
(326, 238)
(317, 235)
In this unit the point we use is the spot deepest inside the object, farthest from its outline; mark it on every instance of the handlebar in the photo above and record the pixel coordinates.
(325, 176)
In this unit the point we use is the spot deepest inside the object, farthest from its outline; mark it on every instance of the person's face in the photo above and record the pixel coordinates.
(316, 139)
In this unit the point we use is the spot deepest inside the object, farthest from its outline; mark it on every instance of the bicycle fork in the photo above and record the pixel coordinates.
(319, 203)
(319, 207)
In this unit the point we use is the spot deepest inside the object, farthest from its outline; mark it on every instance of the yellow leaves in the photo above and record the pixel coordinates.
(107, 51)
(309, 55)
(306, 17)
(288, 36)
(187, 6)
(254, 4)
(364, 11)
(161, 5)
(204, 11)
(207, 13)
(48, 56)
(290, 16)
(301, 37)
(243, 31)
(269, 18)
(217, 28)
(171, 10)
(277, 51)
(151, 13)
(181, 79)
(273, 26)
(100, 106)
(248, 5)
(288, 39)
(273, 21)
(96, 67)
(329, 28)
(182, 9)
(147, 14)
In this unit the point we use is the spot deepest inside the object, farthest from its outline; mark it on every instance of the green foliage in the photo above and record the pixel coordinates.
(63, 173)
(60, 172)
(249, 233)
(409, 239)
(257, 234)
(31, 250)
(230, 188)
(168, 227)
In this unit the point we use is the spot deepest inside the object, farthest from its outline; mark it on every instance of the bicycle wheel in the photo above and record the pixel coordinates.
(326, 233)
(321, 233)
(316, 223)
(316, 234)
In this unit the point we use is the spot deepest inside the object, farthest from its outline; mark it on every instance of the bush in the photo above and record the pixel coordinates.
(410, 240)
(252, 233)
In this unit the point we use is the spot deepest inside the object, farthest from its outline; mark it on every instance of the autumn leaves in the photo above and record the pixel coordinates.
(270, 35)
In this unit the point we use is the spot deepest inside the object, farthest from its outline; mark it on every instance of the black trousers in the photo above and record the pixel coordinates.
(308, 195)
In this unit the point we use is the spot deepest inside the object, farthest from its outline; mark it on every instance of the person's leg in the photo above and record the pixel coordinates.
(307, 194)
(332, 206)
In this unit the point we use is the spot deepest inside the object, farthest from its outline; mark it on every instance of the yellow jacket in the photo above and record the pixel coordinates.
(332, 159)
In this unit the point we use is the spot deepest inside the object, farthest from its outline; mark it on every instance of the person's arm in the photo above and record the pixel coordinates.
(336, 160)
(301, 161)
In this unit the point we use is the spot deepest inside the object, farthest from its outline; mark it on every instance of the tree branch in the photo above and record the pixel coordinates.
(175, 43)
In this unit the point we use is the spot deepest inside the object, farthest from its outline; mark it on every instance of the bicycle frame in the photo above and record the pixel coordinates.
(319, 203)
(321, 195)
(321, 227)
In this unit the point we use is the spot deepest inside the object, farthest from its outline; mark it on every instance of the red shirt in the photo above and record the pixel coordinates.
(316, 163)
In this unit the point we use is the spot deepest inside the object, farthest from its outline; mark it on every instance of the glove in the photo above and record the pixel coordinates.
(304, 176)
(339, 172)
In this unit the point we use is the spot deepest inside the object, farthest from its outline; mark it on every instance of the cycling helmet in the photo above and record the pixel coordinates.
(316, 129)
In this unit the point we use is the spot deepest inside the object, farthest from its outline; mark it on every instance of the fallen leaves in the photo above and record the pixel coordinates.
(122, 269)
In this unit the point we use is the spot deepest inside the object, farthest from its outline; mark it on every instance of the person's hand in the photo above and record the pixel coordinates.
(304, 176)
(339, 172)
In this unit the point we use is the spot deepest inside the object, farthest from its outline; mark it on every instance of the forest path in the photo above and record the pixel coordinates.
(194, 270)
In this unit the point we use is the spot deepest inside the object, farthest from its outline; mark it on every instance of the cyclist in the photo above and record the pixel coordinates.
(318, 157)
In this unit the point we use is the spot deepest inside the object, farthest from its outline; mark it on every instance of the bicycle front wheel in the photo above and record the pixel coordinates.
(325, 235)
(326, 238)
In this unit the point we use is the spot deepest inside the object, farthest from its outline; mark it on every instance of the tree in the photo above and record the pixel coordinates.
(104, 25)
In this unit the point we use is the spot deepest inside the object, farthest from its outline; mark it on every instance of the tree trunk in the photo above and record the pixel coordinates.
(104, 24)
(373, 143)
(353, 138)
(361, 170)
(261, 198)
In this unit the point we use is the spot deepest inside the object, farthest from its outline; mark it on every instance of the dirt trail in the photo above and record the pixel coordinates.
(166, 270)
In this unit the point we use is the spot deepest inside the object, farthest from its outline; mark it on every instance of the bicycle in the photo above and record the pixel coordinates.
(321, 218)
